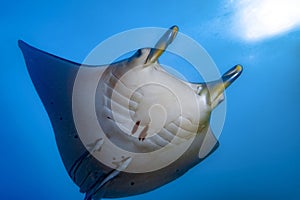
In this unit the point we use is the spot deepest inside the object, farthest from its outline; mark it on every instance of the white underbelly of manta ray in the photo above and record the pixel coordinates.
(150, 112)
(135, 130)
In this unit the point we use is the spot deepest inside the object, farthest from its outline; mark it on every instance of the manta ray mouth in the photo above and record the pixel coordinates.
(216, 88)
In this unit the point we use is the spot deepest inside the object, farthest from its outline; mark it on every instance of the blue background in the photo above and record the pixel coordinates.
(259, 153)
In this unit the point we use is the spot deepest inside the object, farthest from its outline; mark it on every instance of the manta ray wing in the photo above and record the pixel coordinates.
(53, 78)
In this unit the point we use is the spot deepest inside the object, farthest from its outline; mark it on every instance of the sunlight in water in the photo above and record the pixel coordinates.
(260, 19)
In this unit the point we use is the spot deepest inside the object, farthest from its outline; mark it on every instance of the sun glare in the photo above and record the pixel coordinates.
(259, 19)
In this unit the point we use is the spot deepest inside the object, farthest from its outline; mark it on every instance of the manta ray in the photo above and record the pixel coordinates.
(128, 127)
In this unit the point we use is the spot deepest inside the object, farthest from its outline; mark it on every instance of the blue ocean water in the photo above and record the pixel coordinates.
(258, 157)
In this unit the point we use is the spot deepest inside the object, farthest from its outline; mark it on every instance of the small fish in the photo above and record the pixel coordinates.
(151, 127)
